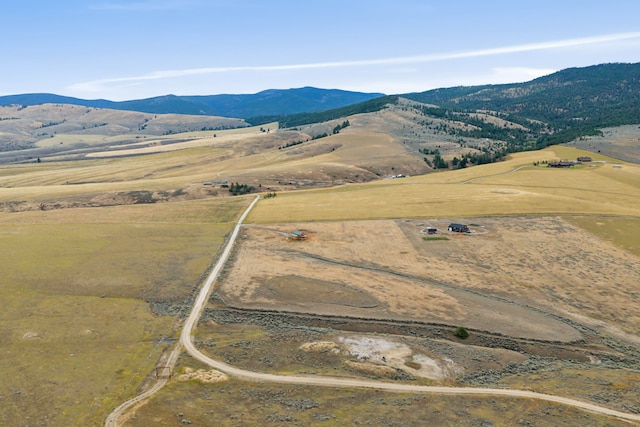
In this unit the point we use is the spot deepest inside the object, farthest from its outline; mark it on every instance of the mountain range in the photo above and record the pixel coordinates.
(268, 102)
(555, 108)
(605, 94)
(552, 109)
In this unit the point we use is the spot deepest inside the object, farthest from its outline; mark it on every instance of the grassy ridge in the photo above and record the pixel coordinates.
(478, 191)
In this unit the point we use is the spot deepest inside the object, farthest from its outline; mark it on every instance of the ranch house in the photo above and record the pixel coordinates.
(458, 228)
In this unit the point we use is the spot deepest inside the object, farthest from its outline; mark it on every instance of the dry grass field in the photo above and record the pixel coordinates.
(513, 187)
(232, 403)
(384, 269)
(546, 284)
(77, 332)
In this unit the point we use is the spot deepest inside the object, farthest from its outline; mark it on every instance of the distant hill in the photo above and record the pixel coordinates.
(449, 127)
(552, 109)
(570, 102)
(265, 103)
(461, 126)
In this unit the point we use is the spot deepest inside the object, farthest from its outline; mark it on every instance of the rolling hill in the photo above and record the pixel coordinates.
(489, 121)
(445, 128)
(571, 102)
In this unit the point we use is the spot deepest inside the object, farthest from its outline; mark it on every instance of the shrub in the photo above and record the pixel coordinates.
(461, 333)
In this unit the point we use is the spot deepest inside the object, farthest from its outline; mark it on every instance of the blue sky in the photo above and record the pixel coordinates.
(116, 49)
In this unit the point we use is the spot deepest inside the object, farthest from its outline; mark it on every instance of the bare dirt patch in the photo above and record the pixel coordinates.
(30, 336)
(297, 289)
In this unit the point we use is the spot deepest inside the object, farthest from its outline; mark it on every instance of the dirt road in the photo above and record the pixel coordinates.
(186, 340)
(185, 337)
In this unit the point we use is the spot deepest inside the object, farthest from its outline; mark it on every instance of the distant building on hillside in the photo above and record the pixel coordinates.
(584, 159)
(458, 228)
(561, 164)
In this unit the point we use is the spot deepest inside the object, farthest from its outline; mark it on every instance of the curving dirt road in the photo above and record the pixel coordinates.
(186, 340)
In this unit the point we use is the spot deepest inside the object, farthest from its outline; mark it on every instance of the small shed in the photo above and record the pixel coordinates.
(458, 228)
(298, 235)
(432, 230)
(584, 159)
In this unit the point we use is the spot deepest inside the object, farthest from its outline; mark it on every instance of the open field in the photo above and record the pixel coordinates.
(78, 333)
(622, 232)
(254, 160)
(232, 403)
(479, 191)
(102, 255)
(373, 268)
(182, 141)
(522, 279)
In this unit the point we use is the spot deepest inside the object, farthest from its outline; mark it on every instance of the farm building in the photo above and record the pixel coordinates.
(584, 159)
(432, 230)
(561, 164)
(458, 228)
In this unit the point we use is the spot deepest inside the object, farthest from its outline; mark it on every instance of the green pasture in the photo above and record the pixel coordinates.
(77, 335)
(621, 231)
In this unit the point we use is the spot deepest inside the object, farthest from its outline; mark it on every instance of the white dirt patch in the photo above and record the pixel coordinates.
(30, 336)
(439, 369)
(395, 354)
(206, 377)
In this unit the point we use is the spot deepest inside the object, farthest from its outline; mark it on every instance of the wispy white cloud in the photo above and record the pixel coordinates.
(100, 85)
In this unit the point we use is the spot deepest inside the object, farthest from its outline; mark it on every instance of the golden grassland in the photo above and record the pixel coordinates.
(142, 139)
(254, 159)
(77, 334)
(512, 187)
(192, 140)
